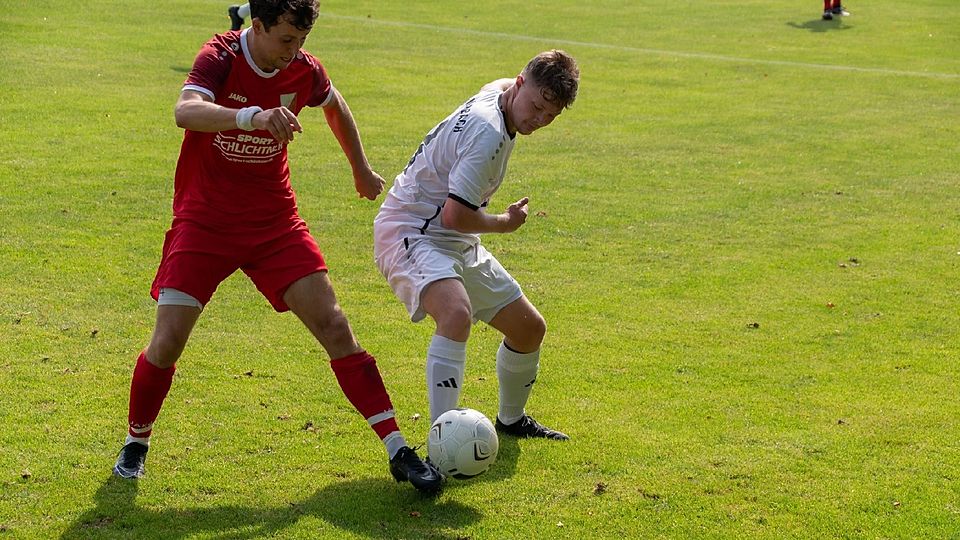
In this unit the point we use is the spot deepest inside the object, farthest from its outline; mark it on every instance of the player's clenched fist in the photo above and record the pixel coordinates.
(280, 122)
(517, 214)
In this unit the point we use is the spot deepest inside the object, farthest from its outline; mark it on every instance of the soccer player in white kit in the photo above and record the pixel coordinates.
(427, 241)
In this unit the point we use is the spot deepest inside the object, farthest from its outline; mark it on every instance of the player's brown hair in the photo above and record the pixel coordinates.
(299, 13)
(557, 75)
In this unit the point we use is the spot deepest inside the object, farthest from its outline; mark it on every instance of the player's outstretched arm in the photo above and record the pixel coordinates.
(462, 218)
(197, 112)
(369, 183)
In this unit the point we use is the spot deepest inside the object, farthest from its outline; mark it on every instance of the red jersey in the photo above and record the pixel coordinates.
(237, 180)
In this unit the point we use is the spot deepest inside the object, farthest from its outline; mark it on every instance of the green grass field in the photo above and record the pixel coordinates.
(744, 236)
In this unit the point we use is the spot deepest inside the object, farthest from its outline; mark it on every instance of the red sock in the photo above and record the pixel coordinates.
(147, 391)
(836, 4)
(360, 381)
(826, 5)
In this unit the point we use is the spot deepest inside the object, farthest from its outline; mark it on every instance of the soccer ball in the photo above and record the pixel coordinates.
(462, 443)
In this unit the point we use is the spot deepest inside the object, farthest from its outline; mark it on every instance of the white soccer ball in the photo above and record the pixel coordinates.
(462, 443)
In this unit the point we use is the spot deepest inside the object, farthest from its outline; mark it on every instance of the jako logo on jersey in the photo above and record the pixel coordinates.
(238, 97)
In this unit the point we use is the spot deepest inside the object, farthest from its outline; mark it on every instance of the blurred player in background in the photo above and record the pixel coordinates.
(832, 8)
(237, 15)
(427, 241)
(234, 208)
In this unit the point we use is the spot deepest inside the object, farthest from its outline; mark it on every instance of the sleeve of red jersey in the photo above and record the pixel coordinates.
(322, 87)
(211, 68)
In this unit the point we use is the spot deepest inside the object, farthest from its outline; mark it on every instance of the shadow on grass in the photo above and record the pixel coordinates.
(820, 25)
(365, 507)
(373, 508)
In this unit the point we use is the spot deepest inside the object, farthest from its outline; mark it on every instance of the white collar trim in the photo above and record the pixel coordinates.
(246, 54)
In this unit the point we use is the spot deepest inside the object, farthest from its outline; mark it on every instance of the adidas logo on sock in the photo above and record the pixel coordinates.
(529, 384)
(449, 383)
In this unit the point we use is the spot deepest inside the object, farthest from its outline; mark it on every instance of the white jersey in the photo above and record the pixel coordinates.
(464, 158)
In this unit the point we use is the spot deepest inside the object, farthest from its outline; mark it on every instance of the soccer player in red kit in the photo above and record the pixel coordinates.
(233, 208)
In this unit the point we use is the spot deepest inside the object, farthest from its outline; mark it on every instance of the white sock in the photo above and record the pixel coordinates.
(516, 372)
(445, 361)
(244, 11)
(393, 443)
(142, 440)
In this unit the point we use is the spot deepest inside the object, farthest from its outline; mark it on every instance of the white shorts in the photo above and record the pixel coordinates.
(411, 264)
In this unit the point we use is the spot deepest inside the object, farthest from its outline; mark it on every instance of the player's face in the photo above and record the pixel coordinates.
(531, 111)
(279, 45)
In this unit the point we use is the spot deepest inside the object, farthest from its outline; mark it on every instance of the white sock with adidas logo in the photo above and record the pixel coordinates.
(516, 373)
(445, 361)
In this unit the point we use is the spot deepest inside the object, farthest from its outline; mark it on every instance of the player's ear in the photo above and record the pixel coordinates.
(520, 80)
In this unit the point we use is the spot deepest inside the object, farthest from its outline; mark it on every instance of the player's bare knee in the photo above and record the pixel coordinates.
(537, 329)
(528, 335)
(333, 331)
(455, 321)
(165, 350)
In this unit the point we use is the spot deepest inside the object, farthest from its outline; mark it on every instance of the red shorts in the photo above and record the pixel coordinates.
(197, 259)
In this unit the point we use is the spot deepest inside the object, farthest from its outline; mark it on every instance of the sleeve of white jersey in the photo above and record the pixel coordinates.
(472, 175)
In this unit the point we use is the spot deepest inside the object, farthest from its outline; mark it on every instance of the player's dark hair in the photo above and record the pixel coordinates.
(557, 75)
(299, 13)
